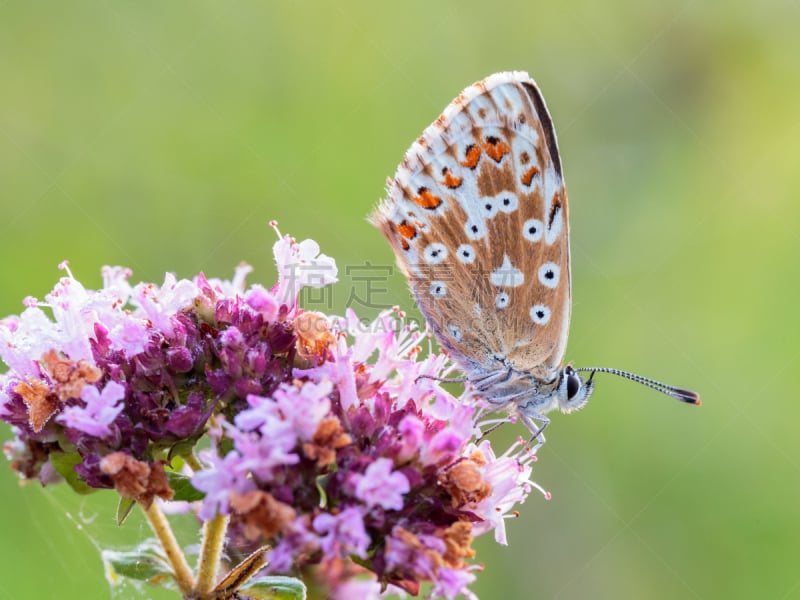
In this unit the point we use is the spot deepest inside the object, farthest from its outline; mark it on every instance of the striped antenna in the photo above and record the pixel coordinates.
(681, 394)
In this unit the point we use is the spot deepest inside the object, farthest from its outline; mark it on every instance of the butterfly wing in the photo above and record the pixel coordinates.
(477, 217)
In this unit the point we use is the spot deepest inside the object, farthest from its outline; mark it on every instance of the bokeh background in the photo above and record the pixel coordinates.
(164, 136)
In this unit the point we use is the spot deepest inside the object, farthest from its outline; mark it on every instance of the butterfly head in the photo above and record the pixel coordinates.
(573, 392)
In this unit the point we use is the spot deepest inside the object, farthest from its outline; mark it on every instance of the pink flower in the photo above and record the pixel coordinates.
(218, 481)
(301, 265)
(342, 534)
(359, 589)
(451, 583)
(100, 411)
(509, 477)
(379, 486)
(159, 304)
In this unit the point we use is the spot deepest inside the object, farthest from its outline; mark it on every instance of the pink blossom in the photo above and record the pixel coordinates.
(301, 265)
(160, 303)
(218, 481)
(379, 486)
(99, 412)
(452, 583)
(358, 589)
(509, 476)
(343, 534)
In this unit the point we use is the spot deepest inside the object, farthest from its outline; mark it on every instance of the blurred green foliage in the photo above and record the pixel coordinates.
(164, 136)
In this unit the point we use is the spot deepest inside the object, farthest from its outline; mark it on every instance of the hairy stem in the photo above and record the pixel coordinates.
(160, 525)
(210, 553)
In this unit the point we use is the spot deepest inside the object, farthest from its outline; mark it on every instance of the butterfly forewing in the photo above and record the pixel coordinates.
(477, 216)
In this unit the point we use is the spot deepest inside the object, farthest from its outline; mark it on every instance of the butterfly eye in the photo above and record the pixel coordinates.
(573, 383)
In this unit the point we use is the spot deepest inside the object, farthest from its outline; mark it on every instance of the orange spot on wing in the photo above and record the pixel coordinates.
(407, 230)
(404, 244)
(426, 199)
(528, 175)
(496, 148)
(451, 180)
(472, 156)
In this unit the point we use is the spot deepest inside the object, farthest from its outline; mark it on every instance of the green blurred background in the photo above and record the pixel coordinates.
(164, 136)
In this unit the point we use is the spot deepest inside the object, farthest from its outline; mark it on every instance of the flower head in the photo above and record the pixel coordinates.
(327, 438)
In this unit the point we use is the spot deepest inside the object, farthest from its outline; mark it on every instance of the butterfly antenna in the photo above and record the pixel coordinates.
(681, 394)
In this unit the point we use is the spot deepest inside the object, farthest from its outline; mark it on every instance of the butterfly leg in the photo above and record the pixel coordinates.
(491, 379)
(481, 384)
(494, 426)
(536, 424)
(442, 379)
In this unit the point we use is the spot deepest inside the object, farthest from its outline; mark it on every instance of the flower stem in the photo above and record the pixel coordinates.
(190, 459)
(208, 564)
(160, 525)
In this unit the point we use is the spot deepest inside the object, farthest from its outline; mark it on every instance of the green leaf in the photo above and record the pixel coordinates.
(181, 448)
(274, 587)
(144, 563)
(321, 482)
(64, 464)
(124, 509)
(183, 488)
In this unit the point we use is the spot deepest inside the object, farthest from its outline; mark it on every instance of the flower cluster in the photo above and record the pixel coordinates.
(331, 439)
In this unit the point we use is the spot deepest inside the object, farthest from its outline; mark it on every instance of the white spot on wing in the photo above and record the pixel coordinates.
(507, 202)
(552, 184)
(435, 253)
(466, 254)
(549, 274)
(532, 230)
(475, 229)
(540, 314)
(455, 332)
(489, 208)
(501, 301)
(507, 275)
(438, 289)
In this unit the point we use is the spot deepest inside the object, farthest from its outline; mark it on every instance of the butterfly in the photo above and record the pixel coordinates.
(477, 216)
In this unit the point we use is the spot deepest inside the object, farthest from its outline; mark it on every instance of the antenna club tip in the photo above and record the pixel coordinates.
(697, 402)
